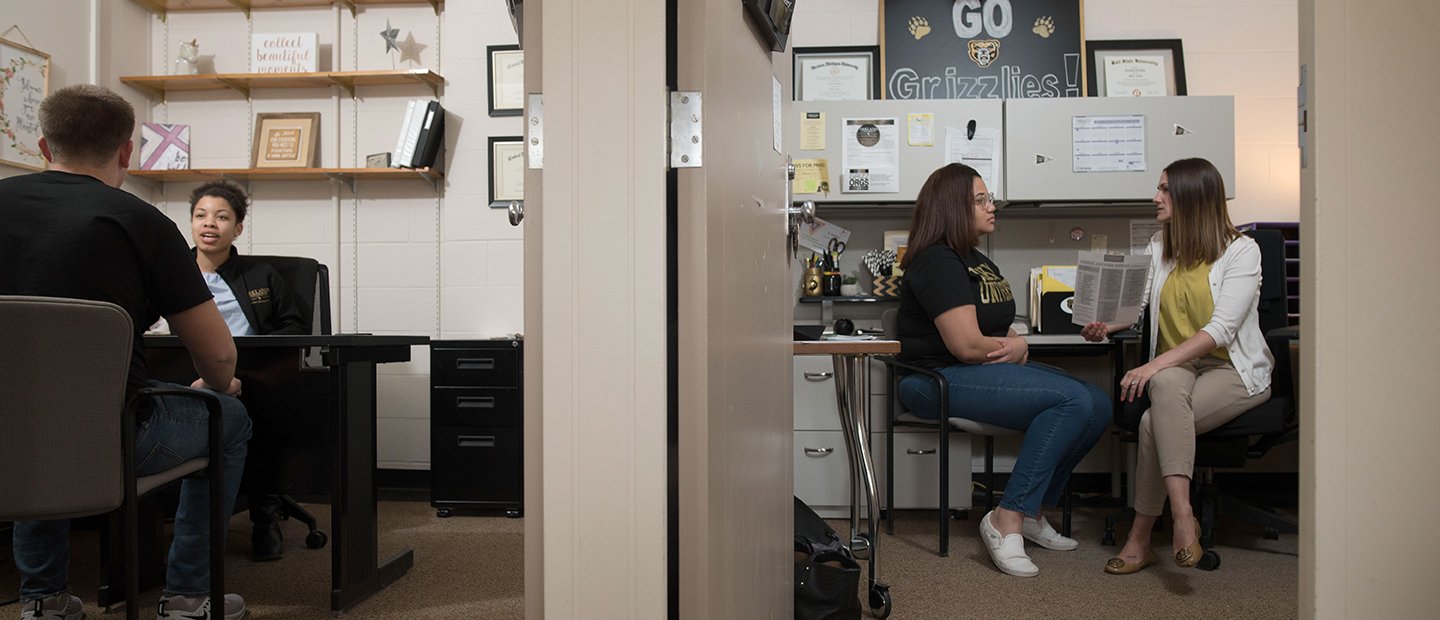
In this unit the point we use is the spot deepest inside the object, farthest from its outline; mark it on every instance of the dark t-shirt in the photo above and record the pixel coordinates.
(70, 235)
(939, 279)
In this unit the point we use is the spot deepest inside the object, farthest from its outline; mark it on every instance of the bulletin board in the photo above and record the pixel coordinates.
(975, 49)
(24, 82)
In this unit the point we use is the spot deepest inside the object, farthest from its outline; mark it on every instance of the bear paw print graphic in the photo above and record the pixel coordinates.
(1044, 26)
(919, 27)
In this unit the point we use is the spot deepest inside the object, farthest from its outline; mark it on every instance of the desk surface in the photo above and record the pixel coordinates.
(304, 340)
(847, 347)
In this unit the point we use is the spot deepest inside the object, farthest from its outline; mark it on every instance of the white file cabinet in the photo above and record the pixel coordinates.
(822, 466)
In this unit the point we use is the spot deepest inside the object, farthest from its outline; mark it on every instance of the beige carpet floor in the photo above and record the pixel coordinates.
(472, 567)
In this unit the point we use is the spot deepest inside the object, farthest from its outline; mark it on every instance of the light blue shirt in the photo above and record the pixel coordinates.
(229, 306)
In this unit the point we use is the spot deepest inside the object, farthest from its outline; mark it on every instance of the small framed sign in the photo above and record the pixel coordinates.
(1136, 68)
(837, 73)
(24, 82)
(507, 171)
(505, 69)
(286, 140)
(294, 52)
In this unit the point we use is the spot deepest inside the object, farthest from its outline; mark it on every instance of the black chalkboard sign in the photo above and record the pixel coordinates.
(970, 49)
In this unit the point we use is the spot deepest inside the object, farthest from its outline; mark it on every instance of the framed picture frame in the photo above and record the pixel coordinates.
(836, 73)
(286, 140)
(507, 171)
(1135, 68)
(24, 82)
(505, 73)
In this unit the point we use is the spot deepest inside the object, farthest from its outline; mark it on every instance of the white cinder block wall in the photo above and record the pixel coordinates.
(1245, 48)
(403, 258)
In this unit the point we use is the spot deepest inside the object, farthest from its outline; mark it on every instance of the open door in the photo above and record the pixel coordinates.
(735, 299)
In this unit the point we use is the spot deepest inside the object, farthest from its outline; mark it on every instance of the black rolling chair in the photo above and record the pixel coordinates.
(46, 346)
(897, 415)
(309, 282)
(1253, 433)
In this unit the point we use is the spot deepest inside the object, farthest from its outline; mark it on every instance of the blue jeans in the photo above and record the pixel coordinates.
(175, 432)
(1062, 418)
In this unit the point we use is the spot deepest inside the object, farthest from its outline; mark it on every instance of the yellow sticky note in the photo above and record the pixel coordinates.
(812, 131)
(920, 129)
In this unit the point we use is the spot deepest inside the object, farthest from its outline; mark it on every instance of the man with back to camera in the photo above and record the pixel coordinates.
(71, 232)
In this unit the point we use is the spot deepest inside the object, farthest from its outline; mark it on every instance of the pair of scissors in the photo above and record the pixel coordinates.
(836, 246)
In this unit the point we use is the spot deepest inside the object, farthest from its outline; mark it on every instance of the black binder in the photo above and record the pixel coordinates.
(432, 134)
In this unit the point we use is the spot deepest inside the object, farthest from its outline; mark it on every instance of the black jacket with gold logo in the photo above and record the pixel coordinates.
(264, 296)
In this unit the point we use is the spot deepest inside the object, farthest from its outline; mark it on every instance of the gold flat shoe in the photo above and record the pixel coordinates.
(1118, 565)
(1190, 555)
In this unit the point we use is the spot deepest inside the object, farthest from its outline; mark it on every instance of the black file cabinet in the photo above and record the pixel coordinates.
(476, 426)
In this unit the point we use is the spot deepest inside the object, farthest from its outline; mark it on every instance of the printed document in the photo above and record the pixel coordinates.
(1109, 287)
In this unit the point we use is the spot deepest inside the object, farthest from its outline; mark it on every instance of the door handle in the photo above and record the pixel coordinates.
(517, 212)
(819, 451)
(818, 376)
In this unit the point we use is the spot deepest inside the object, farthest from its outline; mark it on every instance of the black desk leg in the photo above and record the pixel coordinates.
(355, 571)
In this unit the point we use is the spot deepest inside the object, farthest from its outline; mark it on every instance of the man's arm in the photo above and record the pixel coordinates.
(208, 340)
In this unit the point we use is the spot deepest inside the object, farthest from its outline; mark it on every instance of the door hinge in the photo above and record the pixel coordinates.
(686, 124)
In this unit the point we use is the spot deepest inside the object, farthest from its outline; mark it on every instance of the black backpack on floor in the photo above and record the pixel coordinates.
(827, 577)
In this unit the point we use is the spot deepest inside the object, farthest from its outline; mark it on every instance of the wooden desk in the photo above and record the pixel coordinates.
(312, 405)
(852, 394)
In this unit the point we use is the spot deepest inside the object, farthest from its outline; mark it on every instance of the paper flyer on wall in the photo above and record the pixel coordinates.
(1109, 287)
(1108, 143)
(816, 235)
(1140, 233)
(981, 152)
(870, 159)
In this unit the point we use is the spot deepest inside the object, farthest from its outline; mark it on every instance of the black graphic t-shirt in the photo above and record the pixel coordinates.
(939, 279)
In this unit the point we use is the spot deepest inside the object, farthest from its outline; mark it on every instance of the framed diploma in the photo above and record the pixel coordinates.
(505, 68)
(286, 140)
(1139, 68)
(837, 73)
(507, 171)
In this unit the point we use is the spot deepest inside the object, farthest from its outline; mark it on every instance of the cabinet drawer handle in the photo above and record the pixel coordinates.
(820, 451)
(475, 363)
(919, 452)
(818, 376)
(475, 402)
(475, 441)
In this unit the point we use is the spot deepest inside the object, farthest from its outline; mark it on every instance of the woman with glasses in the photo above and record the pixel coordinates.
(1208, 358)
(955, 316)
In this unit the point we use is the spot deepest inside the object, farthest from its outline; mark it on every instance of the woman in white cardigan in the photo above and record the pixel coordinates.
(1208, 359)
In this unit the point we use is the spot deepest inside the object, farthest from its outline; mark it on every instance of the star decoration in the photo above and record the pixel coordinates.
(410, 50)
(389, 34)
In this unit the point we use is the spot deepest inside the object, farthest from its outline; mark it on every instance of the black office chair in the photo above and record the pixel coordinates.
(309, 282)
(46, 343)
(897, 415)
(1253, 433)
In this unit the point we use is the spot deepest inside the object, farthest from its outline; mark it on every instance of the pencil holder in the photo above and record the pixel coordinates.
(887, 286)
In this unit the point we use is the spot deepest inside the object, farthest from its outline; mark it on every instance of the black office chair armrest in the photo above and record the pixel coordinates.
(1291, 332)
(127, 425)
(940, 382)
(1126, 335)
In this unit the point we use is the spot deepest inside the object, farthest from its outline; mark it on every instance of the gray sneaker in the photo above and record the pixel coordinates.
(62, 606)
(198, 608)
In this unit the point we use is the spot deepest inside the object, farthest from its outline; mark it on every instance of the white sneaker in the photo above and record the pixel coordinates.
(62, 606)
(198, 608)
(1038, 531)
(1008, 551)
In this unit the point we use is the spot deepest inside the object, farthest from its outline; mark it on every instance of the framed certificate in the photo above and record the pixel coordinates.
(286, 140)
(24, 83)
(507, 171)
(837, 73)
(1138, 68)
(505, 67)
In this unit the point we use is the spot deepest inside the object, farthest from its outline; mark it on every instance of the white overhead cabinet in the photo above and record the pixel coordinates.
(1111, 149)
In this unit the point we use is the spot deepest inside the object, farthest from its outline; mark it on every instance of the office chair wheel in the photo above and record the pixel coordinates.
(880, 600)
(443, 513)
(959, 514)
(1209, 560)
(316, 539)
(1271, 534)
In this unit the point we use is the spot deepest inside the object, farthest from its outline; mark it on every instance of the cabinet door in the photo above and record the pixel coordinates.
(456, 406)
(475, 367)
(477, 464)
(822, 469)
(815, 408)
(917, 469)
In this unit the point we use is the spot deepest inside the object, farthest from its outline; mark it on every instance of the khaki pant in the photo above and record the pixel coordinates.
(1188, 400)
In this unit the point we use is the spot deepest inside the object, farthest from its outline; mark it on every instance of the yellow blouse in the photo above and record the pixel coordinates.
(1186, 306)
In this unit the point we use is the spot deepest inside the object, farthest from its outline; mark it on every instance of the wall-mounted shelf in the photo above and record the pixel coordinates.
(163, 7)
(243, 83)
(345, 176)
(858, 299)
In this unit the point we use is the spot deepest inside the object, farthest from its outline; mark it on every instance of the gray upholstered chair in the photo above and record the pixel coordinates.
(63, 369)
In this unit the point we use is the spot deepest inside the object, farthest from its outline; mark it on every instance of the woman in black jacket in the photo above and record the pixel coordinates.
(254, 300)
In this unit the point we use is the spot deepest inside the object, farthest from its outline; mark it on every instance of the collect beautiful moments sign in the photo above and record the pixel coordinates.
(285, 52)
